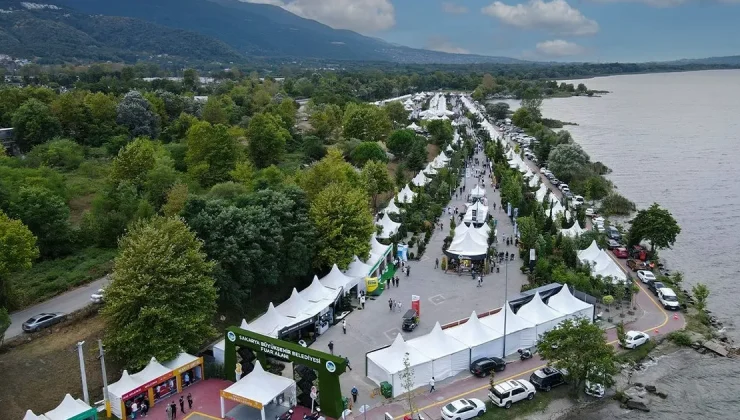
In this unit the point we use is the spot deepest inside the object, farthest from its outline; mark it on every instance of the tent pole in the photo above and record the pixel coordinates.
(85, 394)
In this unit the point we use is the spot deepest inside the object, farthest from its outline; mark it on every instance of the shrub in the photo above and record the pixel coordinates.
(680, 337)
(615, 204)
(422, 248)
(411, 256)
(60, 153)
(443, 264)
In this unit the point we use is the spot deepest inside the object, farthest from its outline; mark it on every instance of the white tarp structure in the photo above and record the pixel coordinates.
(271, 322)
(479, 234)
(468, 245)
(69, 408)
(556, 209)
(377, 248)
(520, 333)
(484, 122)
(449, 356)
(405, 196)
(564, 302)
(298, 308)
(118, 389)
(572, 231)
(392, 208)
(220, 347)
(429, 170)
(477, 213)
(438, 163)
(443, 157)
(449, 148)
(30, 415)
(534, 181)
(259, 387)
(541, 193)
(387, 365)
(420, 180)
(478, 192)
(482, 340)
(414, 127)
(339, 281)
(390, 227)
(318, 293)
(604, 266)
(359, 269)
(589, 254)
(542, 316)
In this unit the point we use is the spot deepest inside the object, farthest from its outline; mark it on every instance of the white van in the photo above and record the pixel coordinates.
(668, 298)
(578, 200)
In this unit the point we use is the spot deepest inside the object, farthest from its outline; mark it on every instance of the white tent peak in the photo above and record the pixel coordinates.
(398, 341)
(30, 415)
(257, 367)
(537, 312)
(392, 207)
(244, 325)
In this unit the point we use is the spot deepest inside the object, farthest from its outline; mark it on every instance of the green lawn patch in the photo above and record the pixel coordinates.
(50, 278)
(523, 409)
(637, 355)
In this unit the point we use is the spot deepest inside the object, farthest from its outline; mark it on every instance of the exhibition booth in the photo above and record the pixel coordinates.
(520, 333)
(574, 308)
(69, 409)
(390, 227)
(186, 368)
(449, 356)
(542, 316)
(270, 395)
(387, 365)
(339, 281)
(482, 341)
(405, 196)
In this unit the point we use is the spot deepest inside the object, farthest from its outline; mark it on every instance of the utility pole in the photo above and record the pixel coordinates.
(85, 394)
(506, 301)
(106, 400)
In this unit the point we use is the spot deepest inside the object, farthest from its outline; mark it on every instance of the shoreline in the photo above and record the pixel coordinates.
(638, 73)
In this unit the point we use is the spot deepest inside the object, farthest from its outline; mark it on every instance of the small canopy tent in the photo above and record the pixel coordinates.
(271, 322)
(405, 196)
(359, 270)
(542, 316)
(414, 127)
(378, 248)
(429, 170)
(449, 148)
(30, 415)
(339, 281)
(572, 231)
(258, 389)
(589, 254)
(478, 192)
(420, 180)
(438, 163)
(154, 375)
(392, 208)
(390, 227)
(72, 409)
(387, 365)
(187, 368)
(124, 389)
(468, 246)
(300, 309)
(482, 341)
(541, 193)
(220, 347)
(449, 356)
(478, 234)
(520, 333)
(564, 302)
(610, 269)
(534, 181)
(318, 293)
(443, 157)
(476, 213)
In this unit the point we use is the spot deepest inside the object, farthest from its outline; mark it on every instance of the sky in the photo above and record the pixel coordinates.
(543, 30)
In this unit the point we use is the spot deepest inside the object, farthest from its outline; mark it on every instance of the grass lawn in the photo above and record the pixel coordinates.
(50, 278)
(523, 409)
(638, 354)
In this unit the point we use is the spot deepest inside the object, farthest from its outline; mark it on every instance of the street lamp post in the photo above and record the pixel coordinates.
(506, 302)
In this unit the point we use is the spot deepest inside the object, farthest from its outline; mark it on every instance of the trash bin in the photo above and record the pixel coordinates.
(386, 389)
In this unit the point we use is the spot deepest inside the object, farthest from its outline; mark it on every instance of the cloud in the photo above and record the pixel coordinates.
(441, 44)
(453, 8)
(556, 17)
(559, 48)
(357, 15)
(665, 3)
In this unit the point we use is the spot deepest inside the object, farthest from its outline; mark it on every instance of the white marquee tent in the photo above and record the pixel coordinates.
(405, 196)
(118, 389)
(414, 127)
(390, 227)
(70, 408)
(542, 316)
(339, 281)
(449, 356)
(387, 365)
(520, 333)
(429, 170)
(478, 192)
(479, 234)
(589, 254)
(449, 148)
(608, 268)
(318, 293)
(271, 322)
(438, 163)
(476, 213)
(443, 157)
(482, 340)
(377, 248)
(564, 302)
(541, 193)
(30, 415)
(468, 246)
(220, 347)
(392, 208)
(359, 269)
(259, 388)
(534, 181)
(298, 308)
(420, 180)
(573, 231)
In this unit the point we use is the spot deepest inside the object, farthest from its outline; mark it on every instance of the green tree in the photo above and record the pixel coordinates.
(397, 113)
(214, 111)
(267, 139)
(655, 225)
(596, 188)
(343, 224)
(366, 122)
(621, 335)
(522, 118)
(532, 101)
(417, 157)
(367, 151)
(133, 162)
(162, 298)
(47, 217)
(64, 154)
(331, 169)
(498, 111)
(440, 131)
(176, 199)
(313, 148)
(287, 111)
(407, 382)
(567, 161)
(400, 142)
(190, 79)
(33, 123)
(17, 251)
(580, 348)
(212, 153)
(326, 121)
(102, 109)
(701, 294)
(377, 180)
(528, 230)
(4, 323)
(138, 115)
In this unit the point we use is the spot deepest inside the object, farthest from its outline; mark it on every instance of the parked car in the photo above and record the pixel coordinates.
(546, 378)
(590, 212)
(634, 339)
(568, 194)
(463, 409)
(509, 392)
(43, 320)
(485, 365)
(667, 297)
(621, 252)
(613, 233)
(98, 297)
(646, 276)
(578, 201)
(612, 244)
(654, 286)
(555, 181)
(594, 389)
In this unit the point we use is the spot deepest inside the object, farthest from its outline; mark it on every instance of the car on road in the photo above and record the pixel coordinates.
(579, 201)
(507, 393)
(485, 365)
(654, 286)
(590, 212)
(43, 320)
(98, 297)
(634, 339)
(555, 181)
(621, 252)
(613, 233)
(646, 276)
(547, 378)
(612, 244)
(667, 297)
(463, 409)
(568, 194)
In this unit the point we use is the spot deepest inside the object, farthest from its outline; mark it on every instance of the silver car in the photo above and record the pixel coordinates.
(43, 320)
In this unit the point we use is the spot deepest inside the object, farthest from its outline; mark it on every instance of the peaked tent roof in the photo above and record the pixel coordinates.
(391, 358)
(590, 253)
(429, 170)
(564, 301)
(536, 312)
(473, 332)
(573, 231)
(125, 384)
(152, 371)
(449, 148)
(468, 246)
(477, 235)
(392, 207)
(601, 261)
(244, 325)
(478, 191)
(514, 322)
(611, 269)
(317, 292)
(420, 180)
(296, 306)
(437, 344)
(541, 193)
(183, 358)
(271, 322)
(443, 157)
(357, 268)
(405, 195)
(534, 181)
(336, 279)
(260, 386)
(389, 227)
(68, 408)
(30, 415)
(378, 248)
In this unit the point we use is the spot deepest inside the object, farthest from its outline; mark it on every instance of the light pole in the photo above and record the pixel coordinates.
(105, 376)
(85, 395)
(506, 301)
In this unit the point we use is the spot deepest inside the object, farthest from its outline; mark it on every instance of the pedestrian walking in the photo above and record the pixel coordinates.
(442, 226)
(344, 325)
(182, 404)
(408, 271)
(168, 410)
(431, 385)
(190, 401)
(346, 360)
(173, 407)
(398, 279)
(134, 410)
(331, 347)
(362, 301)
(186, 377)
(354, 393)
(436, 263)
(390, 304)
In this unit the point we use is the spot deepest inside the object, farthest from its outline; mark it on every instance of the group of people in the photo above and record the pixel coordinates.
(395, 305)
(393, 281)
(140, 408)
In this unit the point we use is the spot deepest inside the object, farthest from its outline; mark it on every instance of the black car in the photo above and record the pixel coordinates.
(546, 378)
(43, 320)
(485, 365)
(410, 320)
(613, 233)
(654, 286)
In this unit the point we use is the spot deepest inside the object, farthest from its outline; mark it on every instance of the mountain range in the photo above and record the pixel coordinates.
(225, 31)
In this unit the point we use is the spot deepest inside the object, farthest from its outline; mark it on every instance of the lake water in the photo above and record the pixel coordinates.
(674, 139)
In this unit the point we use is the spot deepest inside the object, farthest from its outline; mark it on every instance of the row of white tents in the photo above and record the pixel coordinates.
(444, 353)
(602, 264)
(473, 108)
(437, 109)
(69, 409)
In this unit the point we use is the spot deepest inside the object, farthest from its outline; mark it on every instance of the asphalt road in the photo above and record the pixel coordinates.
(68, 302)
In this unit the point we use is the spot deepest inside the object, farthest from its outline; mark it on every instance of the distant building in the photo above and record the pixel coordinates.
(8, 141)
